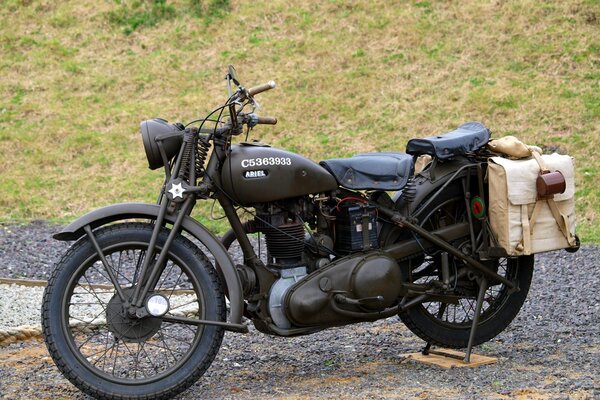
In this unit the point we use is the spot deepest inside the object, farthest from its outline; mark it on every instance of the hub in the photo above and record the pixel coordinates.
(131, 329)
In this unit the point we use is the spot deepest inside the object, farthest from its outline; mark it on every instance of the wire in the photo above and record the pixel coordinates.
(420, 245)
(255, 215)
(317, 245)
(200, 119)
(212, 215)
(337, 207)
(217, 121)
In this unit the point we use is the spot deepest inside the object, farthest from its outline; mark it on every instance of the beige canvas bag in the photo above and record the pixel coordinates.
(512, 147)
(522, 223)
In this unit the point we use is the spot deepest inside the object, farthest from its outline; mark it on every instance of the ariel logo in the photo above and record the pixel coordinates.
(478, 207)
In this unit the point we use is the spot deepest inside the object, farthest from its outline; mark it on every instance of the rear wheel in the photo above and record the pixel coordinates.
(108, 353)
(449, 323)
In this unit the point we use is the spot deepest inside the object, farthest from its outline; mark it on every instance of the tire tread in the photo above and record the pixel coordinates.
(75, 379)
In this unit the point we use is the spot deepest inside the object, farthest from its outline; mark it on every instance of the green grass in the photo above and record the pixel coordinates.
(352, 77)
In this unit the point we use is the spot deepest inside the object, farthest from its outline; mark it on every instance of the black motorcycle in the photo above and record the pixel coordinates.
(137, 308)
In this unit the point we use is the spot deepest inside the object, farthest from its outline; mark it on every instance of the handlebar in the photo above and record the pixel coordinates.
(252, 120)
(266, 120)
(261, 88)
(238, 118)
(249, 119)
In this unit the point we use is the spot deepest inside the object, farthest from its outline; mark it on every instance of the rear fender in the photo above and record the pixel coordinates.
(430, 181)
(426, 185)
(123, 211)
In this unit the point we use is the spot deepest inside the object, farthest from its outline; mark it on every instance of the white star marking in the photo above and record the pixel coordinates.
(177, 190)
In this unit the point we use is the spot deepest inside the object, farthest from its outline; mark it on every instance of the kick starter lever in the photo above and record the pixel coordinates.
(340, 298)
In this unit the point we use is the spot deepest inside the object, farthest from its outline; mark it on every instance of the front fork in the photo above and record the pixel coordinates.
(148, 276)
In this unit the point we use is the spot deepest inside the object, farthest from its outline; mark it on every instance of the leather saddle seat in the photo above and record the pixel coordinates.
(372, 171)
(467, 138)
(391, 171)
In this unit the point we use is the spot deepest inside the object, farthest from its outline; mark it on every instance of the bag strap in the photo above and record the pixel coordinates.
(540, 161)
(529, 223)
(562, 222)
(527, 230)
(534, 215)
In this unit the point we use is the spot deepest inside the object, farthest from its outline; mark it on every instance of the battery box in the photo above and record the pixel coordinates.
(356, 228)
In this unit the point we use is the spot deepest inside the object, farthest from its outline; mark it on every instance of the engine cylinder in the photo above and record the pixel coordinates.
(286, 242)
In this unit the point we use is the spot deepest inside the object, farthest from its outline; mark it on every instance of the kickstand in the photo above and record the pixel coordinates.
(482, 288)
(425, 350)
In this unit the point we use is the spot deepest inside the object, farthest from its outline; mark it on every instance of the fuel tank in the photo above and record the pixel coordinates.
(257, 173)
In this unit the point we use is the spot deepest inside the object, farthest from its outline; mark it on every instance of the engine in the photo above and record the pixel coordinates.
(282, 224)
(284, 234)
(332, 274)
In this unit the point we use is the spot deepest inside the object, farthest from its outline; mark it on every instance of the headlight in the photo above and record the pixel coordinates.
(169, 134)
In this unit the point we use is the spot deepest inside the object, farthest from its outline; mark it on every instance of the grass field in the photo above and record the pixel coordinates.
(77, 77)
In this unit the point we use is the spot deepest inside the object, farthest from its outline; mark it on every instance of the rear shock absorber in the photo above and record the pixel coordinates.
(409, 191)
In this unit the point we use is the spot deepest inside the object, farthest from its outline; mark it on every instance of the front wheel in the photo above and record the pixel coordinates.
(106, 352)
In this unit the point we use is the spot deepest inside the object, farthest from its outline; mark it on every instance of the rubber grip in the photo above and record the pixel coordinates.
(261, 88)
(267, 120)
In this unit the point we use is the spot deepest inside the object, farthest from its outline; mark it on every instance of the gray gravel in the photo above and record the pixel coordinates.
(551, 350)
(20, 305)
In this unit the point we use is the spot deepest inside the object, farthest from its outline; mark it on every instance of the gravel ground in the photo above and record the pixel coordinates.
(20, 305)
(551, 350)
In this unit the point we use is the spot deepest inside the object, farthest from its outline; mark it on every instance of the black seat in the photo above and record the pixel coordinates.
(467, 138)
(383, 171)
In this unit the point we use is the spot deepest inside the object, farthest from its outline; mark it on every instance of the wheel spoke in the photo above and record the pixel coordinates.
(176, 338)
(98, 333)
(138, 361)
(114, 367)
(441, 310)
(142, 346)
(107, 348)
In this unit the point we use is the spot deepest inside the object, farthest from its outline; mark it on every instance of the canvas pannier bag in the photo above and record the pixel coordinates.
(523, 222)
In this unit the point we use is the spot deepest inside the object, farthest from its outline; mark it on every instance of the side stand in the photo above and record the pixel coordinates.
(483, 286)
(425, 350)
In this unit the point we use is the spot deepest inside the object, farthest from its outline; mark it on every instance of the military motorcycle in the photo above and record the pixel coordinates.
(138, 306)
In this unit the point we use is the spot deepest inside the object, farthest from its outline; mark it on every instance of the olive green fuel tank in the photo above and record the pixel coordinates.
(257, 173)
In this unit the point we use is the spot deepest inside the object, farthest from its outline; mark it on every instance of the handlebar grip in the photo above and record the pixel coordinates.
(261, 88)
(267, 120)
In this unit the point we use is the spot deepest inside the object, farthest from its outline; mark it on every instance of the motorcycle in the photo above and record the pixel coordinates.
(137, 307)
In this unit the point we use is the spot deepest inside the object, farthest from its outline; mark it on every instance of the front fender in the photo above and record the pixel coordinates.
(122, 211)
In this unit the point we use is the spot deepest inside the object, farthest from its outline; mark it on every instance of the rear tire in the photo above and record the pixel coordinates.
(449, 325)
(106, 353)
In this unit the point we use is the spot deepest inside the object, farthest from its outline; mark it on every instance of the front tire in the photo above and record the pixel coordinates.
(108, 354)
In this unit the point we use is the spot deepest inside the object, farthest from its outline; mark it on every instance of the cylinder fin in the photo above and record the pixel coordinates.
(286, 241)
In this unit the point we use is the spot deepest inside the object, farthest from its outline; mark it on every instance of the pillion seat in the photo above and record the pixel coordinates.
(467, 138)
